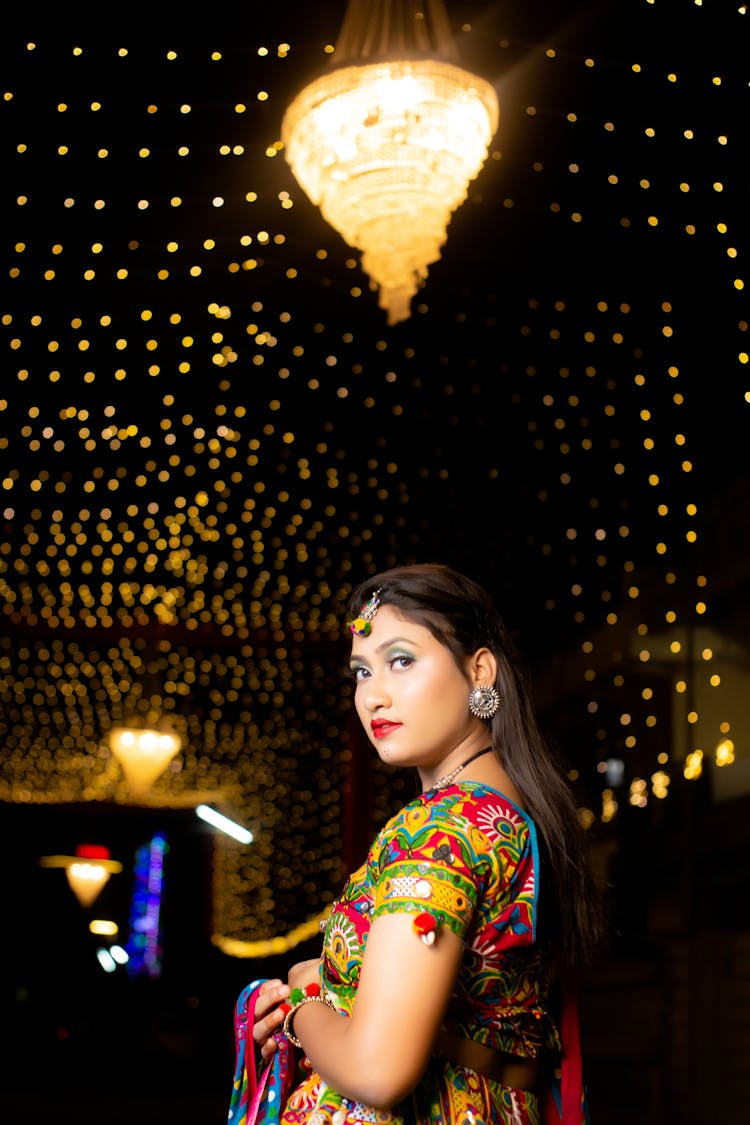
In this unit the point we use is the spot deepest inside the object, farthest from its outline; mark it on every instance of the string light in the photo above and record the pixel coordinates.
(208, 435)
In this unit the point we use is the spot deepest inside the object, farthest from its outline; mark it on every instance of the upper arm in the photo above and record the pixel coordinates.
(427, 861)
(428, 865)
(403, 992)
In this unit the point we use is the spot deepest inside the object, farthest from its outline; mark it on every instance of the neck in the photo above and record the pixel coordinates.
(446, 778)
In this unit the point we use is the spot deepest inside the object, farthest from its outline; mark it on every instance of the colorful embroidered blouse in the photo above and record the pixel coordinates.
(468, 856)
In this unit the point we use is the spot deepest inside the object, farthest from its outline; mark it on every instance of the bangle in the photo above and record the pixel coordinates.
(310, 995)
(298, 994)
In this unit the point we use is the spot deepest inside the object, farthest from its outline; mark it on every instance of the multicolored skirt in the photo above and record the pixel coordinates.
(448, 1094)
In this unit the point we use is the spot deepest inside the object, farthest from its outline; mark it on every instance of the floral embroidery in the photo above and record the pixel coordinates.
(468, 855)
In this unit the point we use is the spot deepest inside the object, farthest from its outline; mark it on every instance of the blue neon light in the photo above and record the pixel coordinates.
(144, 942)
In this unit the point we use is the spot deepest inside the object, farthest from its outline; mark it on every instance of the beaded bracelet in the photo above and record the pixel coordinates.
(298, 997)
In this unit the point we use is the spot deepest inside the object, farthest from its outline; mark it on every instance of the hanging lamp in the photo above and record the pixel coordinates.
(145, 742)
(386, 142)
(144, 752)
(87, 871)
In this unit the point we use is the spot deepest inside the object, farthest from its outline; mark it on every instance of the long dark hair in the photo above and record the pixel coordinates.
(462, 616)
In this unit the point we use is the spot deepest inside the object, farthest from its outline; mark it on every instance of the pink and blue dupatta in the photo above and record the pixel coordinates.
(258, 1094)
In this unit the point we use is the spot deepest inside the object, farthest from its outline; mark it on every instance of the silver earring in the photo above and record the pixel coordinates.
(484, 701)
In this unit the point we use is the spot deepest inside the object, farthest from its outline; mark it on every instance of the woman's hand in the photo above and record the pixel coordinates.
(268, 1015)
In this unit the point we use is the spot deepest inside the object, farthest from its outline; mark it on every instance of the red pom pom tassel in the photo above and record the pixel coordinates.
(426, 926)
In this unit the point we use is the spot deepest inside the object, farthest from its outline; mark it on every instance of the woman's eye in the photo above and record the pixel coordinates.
(401, 661)
(358, 673)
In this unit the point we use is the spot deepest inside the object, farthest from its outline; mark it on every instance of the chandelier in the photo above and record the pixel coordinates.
(386, 142)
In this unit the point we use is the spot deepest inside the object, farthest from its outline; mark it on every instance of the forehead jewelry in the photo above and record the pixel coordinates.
(361, 624)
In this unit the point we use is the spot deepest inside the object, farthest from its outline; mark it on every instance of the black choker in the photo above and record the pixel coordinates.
(444, 782)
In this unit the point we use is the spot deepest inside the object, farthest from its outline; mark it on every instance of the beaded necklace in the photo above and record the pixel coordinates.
(445, 781)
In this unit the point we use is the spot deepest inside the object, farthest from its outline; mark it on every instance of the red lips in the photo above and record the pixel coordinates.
(381, 728)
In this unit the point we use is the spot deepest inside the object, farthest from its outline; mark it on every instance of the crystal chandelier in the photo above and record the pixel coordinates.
(387, 141)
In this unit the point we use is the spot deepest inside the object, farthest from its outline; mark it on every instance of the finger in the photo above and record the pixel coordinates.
(274, 994)
(271, 1020)
(268, 1049)
(263, 1029)
(267, 991)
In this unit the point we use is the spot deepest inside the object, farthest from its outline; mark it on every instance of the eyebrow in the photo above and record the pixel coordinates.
(387, 644)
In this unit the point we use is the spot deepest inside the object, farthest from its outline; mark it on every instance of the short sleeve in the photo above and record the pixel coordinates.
(427, 862)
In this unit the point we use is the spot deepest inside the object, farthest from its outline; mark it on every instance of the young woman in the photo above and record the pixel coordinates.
(437, 997)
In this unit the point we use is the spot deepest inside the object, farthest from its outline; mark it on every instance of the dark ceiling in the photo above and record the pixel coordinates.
(209, 433)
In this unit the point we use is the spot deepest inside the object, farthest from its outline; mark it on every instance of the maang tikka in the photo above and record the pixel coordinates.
(361, 625)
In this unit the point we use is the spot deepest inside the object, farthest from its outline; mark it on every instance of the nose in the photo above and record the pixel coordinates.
(375, 695)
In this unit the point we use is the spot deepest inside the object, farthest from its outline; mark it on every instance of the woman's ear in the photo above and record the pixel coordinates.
(482, 668)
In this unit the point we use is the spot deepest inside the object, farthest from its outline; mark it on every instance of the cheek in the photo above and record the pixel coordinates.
(446, 698)
(436, 688)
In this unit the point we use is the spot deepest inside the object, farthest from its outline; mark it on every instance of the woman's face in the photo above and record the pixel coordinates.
(410, 696)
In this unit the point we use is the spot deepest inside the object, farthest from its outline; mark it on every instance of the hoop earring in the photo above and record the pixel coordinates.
(484, 701)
